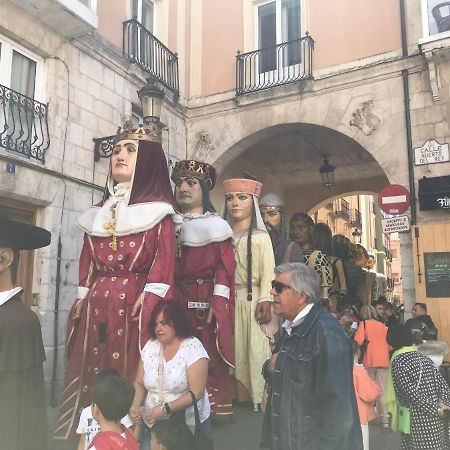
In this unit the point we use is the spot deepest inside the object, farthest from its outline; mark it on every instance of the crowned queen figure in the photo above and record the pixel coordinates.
(126, 266)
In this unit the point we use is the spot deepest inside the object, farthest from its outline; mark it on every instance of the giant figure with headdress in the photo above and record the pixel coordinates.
(204, 275)
(255, 324)
(126, 266)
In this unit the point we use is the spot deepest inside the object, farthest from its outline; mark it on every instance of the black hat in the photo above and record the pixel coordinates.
(21, 236)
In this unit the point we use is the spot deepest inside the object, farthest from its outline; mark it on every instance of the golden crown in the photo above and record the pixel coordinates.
(150, 132)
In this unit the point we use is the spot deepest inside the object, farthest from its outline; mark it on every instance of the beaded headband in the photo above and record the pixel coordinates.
(195, 169)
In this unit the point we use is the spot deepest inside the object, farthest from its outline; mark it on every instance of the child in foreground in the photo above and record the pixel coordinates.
(111, 400)
(88, 427)
(367, 391)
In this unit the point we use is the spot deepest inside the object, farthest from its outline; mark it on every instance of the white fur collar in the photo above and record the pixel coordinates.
(203, 230)
(130, 219)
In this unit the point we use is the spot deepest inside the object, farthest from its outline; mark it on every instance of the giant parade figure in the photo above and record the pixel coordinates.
(255, 325)
(23, 409)
(127, 265)
(204, 275)
(273, 212)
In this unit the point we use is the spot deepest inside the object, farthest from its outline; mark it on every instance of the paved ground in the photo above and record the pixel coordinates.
(244, 433)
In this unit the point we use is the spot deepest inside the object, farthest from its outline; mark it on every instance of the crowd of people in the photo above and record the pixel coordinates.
(180, 311)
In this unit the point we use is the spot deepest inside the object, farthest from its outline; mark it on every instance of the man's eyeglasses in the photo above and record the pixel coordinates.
(279, 286)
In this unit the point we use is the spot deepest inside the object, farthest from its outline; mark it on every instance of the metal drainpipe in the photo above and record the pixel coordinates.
(412, 186)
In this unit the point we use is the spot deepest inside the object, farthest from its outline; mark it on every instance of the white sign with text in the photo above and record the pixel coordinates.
(395, 224)
(431, 152)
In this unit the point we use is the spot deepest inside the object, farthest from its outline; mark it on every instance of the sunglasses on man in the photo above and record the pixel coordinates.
(279, 286)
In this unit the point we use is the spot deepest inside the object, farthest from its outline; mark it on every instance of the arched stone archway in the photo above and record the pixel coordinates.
(286, 158)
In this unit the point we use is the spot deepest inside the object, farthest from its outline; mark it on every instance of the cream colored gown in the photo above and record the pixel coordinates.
(252, 346)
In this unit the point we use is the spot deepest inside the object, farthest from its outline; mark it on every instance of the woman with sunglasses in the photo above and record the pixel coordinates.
(255, 325)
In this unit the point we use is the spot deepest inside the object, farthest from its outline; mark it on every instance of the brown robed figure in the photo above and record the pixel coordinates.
(23, 418)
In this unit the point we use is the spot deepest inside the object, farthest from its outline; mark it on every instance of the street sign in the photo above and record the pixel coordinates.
(395, 224)
(431, 152)
(393, 199)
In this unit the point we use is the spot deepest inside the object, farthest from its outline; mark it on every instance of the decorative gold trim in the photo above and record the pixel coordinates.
(218, 351)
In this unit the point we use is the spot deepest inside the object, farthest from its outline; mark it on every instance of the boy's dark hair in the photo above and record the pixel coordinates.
(108, 372)
(173, 434)
(113, 396)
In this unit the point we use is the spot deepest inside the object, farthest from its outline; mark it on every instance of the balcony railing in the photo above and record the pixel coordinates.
(273, 66)
(356, 217)
(103, 147)
(343, 209)
(23, 124)
(150, 54)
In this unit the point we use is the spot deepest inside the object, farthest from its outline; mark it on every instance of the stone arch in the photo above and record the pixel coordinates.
(286, 158)
(337, 196)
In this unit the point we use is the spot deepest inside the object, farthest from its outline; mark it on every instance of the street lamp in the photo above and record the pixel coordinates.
(327, 174)
(357, 236)
(151, 100)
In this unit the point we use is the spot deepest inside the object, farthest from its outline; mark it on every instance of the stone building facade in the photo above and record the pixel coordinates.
(308, 84)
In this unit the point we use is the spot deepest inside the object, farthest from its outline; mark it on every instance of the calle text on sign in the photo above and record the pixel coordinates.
(395, 224)
(431, 152)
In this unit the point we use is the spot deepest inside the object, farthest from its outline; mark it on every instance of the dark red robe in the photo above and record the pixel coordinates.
(196, 272)
(106, 336)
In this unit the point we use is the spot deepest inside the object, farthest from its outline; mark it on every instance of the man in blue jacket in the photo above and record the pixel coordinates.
(312, 403)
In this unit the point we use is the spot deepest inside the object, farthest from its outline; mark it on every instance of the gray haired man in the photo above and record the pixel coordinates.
(312, 402)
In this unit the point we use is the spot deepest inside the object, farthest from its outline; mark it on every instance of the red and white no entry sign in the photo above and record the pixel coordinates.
(393, 199)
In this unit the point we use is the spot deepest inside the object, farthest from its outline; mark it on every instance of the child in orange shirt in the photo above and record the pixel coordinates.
(367, 391)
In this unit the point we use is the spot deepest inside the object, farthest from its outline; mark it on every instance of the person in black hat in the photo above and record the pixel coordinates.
(23, 420)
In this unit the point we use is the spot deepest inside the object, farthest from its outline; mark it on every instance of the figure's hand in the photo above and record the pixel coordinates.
(155, 414)
(442, 408)
(77, 311)
(135, 414)
(271, 366)
(210, 316)
(136, 308)
(263, 313)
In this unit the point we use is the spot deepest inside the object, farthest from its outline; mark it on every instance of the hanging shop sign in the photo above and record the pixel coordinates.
(431, 152)
(395, 224)
(437, 274)
(434, 193)
(393, 199)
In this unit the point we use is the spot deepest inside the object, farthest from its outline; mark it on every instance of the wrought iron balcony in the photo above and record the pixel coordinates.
(103, 147)
(150, 54)
(356, 218)
(23, 124)
(273, 66)
(343, 209)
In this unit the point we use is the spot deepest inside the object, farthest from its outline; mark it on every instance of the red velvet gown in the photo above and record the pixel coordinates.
(196, 272)
(106, 336)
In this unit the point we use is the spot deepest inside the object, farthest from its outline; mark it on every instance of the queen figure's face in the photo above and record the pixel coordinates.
(239, 206)
(123, 160)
